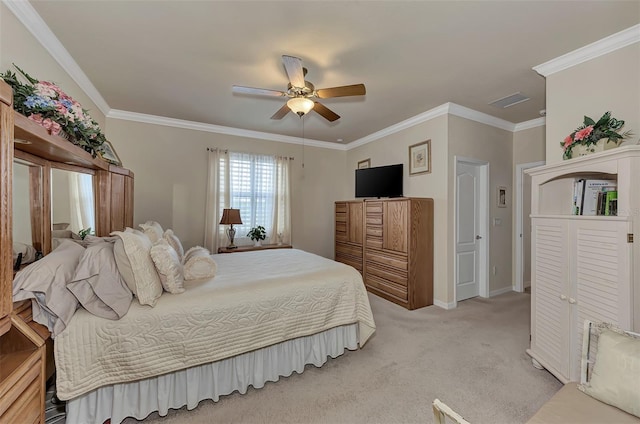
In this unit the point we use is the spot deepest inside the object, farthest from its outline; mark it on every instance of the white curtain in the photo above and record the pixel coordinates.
(213, 207)
(81, 201)
(282, 203)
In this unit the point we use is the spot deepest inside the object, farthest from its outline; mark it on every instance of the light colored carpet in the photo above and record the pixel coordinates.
(472, 358)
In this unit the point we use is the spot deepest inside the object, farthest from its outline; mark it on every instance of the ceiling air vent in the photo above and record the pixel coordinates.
(510, 100)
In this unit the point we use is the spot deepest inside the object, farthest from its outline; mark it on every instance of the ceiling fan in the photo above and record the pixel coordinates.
(302, 93)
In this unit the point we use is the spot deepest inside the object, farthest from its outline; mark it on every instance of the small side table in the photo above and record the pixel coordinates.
(252, 248)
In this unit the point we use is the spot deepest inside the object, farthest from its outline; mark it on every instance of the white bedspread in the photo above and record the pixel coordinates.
(257, 299)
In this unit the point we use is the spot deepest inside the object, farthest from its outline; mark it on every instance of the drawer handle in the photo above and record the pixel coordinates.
(572, 301)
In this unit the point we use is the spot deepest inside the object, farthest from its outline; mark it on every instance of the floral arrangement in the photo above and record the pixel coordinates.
(590, 132)
(49, 106)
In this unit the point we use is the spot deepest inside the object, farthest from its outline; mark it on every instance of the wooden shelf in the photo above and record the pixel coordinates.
(51, 147)
(252, 248)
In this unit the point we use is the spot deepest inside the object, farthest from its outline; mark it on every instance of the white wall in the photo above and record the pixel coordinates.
(607, 83)
(170, 167)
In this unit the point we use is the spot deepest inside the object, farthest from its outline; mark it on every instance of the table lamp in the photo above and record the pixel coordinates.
(230, 217)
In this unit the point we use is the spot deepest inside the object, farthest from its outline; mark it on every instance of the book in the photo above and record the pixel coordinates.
(578, 186)
(611, 203)
(590, 194)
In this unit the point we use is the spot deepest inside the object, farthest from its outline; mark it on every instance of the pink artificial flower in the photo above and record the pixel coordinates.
(567, 141)
(55, 128)
(36, 117)
(584, 133)
(45, 90)
(61, 109)
(47, 123)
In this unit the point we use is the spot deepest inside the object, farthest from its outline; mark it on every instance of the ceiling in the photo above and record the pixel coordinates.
(179, 59)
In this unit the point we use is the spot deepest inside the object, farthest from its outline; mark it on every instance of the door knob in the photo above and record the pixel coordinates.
(563, 297)
(478, 237)
(572, 301)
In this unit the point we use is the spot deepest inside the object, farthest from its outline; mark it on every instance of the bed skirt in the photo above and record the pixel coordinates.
(188, 387)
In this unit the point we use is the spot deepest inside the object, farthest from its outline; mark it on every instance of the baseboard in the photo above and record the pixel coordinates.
(500, 291)
(444, 305)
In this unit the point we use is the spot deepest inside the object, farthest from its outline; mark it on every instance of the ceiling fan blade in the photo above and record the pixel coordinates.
(293, 67)
(325, 112)
(257, 91)
(345, 90)
(281, 112)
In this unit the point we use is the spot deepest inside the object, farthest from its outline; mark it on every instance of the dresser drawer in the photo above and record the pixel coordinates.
(391, 274)
(374, 207)
(341, 208)
(389, 287)
(374, 219)
(374, 230)
(399, 263)
(349, 249)
(341, 217)
(26, 408)
(350, 260)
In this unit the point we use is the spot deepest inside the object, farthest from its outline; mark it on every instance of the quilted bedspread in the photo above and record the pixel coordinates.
(257, 299)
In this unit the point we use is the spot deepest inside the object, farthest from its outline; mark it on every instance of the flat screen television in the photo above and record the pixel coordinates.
(380, 181)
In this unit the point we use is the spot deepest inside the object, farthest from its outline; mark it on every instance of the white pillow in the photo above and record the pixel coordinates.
(168, 266)
(195, 251)
(137, 248)
(199, 264)
(153, 230)
(616, 374)
(174, 242)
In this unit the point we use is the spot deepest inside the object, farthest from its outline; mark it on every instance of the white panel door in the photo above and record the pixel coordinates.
(467, 225)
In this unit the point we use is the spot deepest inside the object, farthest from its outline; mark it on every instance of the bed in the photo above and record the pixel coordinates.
(264, 315)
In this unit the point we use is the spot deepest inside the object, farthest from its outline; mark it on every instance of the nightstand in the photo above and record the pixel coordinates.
(252, 248)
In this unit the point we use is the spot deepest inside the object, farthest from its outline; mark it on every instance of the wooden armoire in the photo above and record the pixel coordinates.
(391, 243)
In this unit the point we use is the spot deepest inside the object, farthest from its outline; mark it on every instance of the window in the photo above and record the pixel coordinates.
(258, 185)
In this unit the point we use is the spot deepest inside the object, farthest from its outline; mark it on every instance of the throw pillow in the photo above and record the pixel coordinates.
(153, 230)
(174, 242)
(199, 265)
(168, 266)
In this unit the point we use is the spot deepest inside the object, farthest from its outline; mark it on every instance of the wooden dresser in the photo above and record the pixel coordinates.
(391, 243)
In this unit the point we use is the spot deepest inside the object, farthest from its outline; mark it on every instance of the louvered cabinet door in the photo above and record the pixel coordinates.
(601, 280)
(550, 311)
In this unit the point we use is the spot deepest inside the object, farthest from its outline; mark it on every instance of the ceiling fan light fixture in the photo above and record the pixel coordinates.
(300, 105)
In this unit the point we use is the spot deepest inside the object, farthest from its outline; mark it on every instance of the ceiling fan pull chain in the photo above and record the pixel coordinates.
(302, 118)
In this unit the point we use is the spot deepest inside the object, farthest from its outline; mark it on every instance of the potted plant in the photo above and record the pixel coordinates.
(257, 234)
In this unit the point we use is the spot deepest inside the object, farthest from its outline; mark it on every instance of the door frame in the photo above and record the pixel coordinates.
(517, 240)
(483, 199)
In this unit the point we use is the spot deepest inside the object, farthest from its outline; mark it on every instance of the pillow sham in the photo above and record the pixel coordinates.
(45, 281)
(168, 266)
(140, 272)
(98, 285)
(195, 251)
(174, 242)
(616, 373)
(153, 230)
(200, 265)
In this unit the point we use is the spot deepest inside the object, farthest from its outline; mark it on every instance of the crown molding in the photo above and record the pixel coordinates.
(483, 118)
(403, 125)
(36, 26)
(538, 122)
(591, 51)
(218, 129)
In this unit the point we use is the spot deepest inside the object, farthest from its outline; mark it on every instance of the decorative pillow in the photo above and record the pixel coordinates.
(122, 261)
(153, 230)
(146, 281)
(199, 264)
(60, 226)
(28, 252)
(98, 285)
(174, 242)
(168, 266)
(45, 281)
(195, 251)
(616, 372)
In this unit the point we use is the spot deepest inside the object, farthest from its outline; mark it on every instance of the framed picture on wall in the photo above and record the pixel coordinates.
(109, 154)
(364, 164)
(502, 197)
(420, 158)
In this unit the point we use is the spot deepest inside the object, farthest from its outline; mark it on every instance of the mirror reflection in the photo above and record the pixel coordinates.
(72, 204)
(27, 211)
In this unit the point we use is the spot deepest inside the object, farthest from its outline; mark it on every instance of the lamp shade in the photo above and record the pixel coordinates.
(300, 105)
(231, 216)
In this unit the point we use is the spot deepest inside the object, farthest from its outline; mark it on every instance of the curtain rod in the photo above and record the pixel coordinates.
(213, 149)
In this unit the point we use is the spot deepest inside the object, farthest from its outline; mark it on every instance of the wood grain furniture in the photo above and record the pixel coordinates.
(254, 248)
(391, 242)
(583, 267)
(26, 354)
